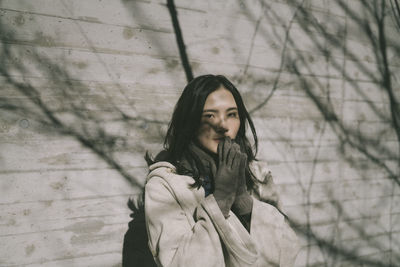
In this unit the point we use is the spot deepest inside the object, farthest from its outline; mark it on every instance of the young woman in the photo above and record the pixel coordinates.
(205, 195)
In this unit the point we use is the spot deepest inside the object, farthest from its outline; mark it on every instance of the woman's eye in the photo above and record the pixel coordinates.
(208, 116)
(232, 115)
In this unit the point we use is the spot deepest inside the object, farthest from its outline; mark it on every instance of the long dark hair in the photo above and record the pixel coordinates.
(186, 120)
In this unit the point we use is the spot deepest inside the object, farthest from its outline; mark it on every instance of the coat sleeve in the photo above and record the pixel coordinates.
(271, 232)
(211, 240)
(289, 246)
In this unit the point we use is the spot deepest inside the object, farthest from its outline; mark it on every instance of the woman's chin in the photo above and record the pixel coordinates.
(212, 149)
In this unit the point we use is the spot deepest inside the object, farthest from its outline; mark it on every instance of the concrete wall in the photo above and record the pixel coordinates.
(89, 86)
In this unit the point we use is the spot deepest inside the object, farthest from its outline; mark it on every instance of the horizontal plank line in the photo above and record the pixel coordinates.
(365, 238)
(64, 258)
(94, 21)
(342, 200)
(92, 49)
(67, 199)
(63, 229)
(67, 169)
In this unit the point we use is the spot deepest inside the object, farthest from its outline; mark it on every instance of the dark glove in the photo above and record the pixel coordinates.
(243, 203)
(230, 163)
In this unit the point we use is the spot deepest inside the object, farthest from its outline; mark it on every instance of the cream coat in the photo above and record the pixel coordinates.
(186, 228)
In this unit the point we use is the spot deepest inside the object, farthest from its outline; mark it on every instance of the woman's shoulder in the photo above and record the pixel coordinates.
(164, 172)
(161, 167)
(164, 184)
(161, 170)
(261, 171)
(264, 188)
(268, 210)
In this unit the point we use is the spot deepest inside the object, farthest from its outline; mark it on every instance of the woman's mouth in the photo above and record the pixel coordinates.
(219, 139)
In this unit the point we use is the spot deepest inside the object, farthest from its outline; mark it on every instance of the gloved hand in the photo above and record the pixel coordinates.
(243, 203)
(231, 165)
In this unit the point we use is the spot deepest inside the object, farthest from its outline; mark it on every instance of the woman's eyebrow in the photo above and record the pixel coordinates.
(214, 110)
(210, 110)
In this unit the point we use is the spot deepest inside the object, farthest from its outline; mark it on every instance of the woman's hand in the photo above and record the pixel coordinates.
(231, 170)
(243, 203)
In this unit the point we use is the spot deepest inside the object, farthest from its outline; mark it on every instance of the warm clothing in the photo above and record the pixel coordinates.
(227, 181)
(187, 228)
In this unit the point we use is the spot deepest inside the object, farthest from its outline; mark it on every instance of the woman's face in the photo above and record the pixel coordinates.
(220, 118)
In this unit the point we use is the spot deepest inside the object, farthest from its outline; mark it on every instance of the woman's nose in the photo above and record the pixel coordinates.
(221, 126)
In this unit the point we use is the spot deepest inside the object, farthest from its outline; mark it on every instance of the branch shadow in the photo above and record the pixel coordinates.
(329, 37)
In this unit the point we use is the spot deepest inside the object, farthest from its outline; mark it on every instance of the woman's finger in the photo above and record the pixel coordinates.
(229, 157)
(220, 151)
(233, 160)
(236, 147)
(242, 164)
(227, 148)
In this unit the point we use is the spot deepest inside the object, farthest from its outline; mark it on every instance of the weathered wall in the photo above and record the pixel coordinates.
(88, 87)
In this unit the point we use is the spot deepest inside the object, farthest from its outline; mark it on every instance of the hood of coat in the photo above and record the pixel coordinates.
(180, 186)
(160, 169)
